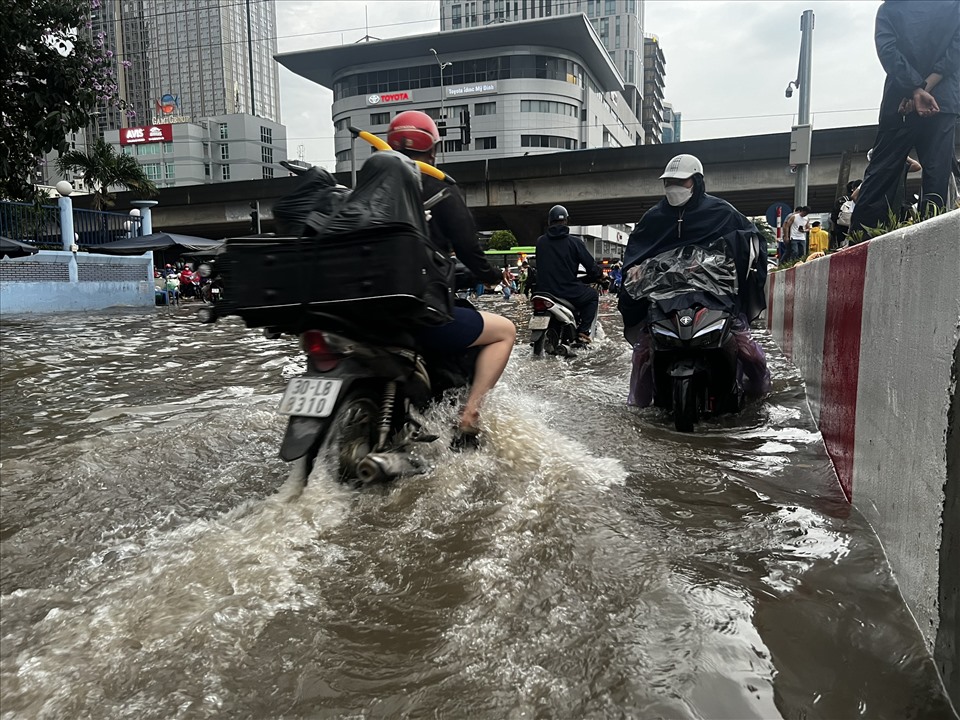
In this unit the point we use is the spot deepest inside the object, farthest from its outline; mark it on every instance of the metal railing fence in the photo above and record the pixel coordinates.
(40, 225)
(34, 224)
(97, 227)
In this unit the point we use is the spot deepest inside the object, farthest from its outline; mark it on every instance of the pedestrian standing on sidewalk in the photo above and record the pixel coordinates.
(918, 44)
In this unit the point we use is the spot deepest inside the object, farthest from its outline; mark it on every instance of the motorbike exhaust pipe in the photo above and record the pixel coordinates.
(380, 467)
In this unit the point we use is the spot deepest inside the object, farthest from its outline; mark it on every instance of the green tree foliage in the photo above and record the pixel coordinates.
(56, 70)
(101, 168)
(502, 240)
(768, 234)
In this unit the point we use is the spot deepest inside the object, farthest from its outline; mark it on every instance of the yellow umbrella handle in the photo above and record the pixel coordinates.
(380, 144)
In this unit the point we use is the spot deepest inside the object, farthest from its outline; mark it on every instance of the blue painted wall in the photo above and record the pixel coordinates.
(60, 281)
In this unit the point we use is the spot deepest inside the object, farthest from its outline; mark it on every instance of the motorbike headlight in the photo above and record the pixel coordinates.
(664, 338)
(709, 335)
(718, 325)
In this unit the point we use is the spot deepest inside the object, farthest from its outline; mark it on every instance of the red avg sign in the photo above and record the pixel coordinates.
(146, 134)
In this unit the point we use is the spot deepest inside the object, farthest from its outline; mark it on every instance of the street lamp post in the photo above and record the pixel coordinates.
(801, 137)
(443, 116)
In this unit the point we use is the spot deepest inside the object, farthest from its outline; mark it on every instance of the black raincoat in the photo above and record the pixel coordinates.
(559, 254)
(701, 220)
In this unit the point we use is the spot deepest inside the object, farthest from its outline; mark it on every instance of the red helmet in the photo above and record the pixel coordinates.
(413, 130)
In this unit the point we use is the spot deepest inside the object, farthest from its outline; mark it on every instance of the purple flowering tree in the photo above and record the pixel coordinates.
(56, 72)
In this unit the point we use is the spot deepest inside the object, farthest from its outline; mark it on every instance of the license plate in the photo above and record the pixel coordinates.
(539, 322)
(310, 397)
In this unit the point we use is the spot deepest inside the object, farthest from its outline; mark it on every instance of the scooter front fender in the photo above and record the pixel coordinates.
(685, 368)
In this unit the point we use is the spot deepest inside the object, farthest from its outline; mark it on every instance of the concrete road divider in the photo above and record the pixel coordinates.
(875, 331)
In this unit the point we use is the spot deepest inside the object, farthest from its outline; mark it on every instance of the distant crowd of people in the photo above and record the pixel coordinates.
(175, 282)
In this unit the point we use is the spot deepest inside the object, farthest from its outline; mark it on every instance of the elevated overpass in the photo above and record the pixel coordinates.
(602, 186)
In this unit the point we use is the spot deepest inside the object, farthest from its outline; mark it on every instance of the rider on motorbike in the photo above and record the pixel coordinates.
(559, 256)
(688, 215)
(452, 230)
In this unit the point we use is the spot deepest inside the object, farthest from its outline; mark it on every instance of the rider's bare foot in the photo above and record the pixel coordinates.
(467, 434)
(470, 421)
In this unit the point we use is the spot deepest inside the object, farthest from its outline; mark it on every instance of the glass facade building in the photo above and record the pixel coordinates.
(191, 59)
(618, 23)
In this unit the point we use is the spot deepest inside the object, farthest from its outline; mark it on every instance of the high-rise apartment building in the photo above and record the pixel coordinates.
(654, 80)
(619, 24)
(192, 59)
(192, 62)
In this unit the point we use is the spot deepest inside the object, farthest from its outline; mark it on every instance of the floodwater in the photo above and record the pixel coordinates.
(588, 562)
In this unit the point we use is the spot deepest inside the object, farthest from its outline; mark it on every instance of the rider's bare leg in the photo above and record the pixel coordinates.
(497, 341)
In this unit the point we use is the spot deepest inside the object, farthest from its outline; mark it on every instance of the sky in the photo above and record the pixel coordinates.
(728, 61)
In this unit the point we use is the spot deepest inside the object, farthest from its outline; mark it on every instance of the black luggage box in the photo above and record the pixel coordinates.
(378, 273)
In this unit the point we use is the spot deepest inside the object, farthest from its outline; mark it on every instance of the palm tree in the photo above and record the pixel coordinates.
(101, 168)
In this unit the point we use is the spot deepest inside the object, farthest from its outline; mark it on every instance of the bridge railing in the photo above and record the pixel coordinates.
(30, 223)
(40, 225)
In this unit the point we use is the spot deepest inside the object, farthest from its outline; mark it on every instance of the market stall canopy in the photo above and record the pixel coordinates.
(156, 241)
(15, 248)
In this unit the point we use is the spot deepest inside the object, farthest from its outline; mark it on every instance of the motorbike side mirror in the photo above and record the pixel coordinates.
(205, 270)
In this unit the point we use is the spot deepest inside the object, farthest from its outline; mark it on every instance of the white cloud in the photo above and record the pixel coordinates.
(734, 59)
(725, 59)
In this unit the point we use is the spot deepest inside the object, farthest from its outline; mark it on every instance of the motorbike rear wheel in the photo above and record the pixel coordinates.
(551, 340)
(686, 404)
(352, 435)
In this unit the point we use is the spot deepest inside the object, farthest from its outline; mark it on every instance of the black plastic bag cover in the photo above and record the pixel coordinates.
(318, 192)
(387, 193)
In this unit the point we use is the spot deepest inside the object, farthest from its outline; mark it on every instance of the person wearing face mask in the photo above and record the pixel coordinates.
(688, 215)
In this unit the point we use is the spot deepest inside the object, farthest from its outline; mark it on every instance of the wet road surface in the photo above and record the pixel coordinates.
(589, 562)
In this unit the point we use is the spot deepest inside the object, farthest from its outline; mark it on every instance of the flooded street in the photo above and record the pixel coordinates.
(588, 562)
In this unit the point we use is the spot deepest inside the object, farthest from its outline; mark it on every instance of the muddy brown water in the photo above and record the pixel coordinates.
(589, 562)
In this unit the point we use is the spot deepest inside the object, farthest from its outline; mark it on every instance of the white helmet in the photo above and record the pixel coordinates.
(681, 167)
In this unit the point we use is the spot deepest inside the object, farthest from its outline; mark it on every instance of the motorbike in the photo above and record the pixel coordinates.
(553, 325)
(691, 293)
(360, 403)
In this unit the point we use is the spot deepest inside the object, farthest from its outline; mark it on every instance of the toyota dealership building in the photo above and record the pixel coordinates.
(538, 86)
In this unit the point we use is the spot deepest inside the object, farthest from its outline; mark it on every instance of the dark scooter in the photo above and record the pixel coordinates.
(695, 367)
(553, 325)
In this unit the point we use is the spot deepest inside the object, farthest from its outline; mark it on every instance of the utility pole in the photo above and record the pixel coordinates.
(802, 133)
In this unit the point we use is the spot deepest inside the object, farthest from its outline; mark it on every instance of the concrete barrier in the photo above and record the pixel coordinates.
(57, 280)
(875, 332)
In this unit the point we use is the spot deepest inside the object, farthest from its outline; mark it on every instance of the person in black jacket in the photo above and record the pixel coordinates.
(688, 215)
(559, 257)
(918, 44)
(452, 230)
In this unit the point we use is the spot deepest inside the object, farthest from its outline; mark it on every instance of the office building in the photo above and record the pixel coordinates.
(618, 24)
(192, 60)
(220, 148)
(654, 80)
(671, 124)
(191, 64)
(562, 92)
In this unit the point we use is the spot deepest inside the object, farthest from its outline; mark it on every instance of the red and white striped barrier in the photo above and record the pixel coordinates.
(874, 330)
